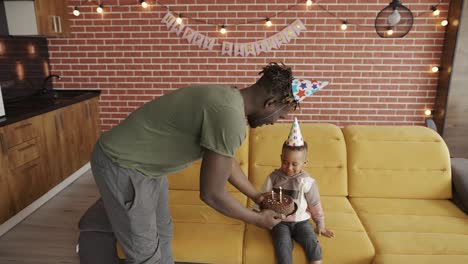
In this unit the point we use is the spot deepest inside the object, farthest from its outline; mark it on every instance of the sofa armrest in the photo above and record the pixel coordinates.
(460, 183)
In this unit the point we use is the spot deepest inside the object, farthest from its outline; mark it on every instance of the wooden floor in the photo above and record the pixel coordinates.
(50, 234)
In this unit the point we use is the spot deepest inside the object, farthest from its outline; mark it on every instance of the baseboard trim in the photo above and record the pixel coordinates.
(20, 216)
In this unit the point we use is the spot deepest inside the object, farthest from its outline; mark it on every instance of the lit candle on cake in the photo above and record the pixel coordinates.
(281, 194)
(272, 195)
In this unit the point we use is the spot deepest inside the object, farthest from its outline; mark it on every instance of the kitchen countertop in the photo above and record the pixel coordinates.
(37, 105)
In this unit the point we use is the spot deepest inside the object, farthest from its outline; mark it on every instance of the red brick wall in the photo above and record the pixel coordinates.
(132, 58)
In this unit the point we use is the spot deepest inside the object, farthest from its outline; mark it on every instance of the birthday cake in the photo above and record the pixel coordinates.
(272, 201)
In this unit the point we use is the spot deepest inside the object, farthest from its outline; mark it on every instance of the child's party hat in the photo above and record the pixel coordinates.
(303, 88)
(295, 136)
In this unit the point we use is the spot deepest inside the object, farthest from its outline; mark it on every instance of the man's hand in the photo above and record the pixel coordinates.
(260, 197)
(214, 172)
(326, 232)
(268, 219)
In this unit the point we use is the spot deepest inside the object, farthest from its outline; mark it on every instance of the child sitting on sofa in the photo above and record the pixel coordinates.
(297, 183)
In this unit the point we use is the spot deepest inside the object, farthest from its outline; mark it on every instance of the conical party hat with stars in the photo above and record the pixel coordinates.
(295, 136)
(303, 88)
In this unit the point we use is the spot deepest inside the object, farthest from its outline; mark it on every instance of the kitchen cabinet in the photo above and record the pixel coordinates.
(53, 18)
(27, 183)
(40, 152)
(69, 138)
(90, 125)
(70, 134)
(55, 147)
(27, 173)
(60, 130)
(6, 204)
(20, 132)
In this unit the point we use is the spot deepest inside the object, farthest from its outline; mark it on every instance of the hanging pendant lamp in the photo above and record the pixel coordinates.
(394, 21)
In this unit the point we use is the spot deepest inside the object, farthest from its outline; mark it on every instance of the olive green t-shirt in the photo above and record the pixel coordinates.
(167, 134)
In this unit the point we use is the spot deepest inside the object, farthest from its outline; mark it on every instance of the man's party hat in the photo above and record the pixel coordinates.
(303, 88)
(295, 136)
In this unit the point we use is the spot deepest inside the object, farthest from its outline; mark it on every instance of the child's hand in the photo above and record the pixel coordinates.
(326, 232)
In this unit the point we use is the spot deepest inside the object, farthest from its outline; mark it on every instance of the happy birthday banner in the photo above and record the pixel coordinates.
(234, 49)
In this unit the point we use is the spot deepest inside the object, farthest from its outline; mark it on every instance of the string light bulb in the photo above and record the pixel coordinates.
(435, 69)
(344, 26)
(100, 9)
(179, 19)
(394, 18)
(389, 31)
(428, 112)
(223, 29)
(76, 11)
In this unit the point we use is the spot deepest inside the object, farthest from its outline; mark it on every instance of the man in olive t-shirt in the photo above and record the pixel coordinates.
(130, 162)
(164, 136)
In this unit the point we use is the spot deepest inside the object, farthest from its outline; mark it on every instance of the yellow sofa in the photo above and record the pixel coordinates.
(399, 185)
(384, 190)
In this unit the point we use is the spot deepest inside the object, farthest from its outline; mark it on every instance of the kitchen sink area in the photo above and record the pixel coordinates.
(59, 97)
(36, 104)
(66, 94)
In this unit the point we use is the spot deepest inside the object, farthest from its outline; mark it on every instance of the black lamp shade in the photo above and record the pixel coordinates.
(394, 21)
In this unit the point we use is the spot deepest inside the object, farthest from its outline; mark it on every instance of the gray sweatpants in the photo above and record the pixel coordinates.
(137, 208)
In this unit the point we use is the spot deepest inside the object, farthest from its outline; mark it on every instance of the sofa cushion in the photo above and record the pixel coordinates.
(203, 243)
(201, 234)
(186, 207)
(326, 156)
(350, 244)
(414, 231)
(420, 259)
(189, 178)
(397, 162)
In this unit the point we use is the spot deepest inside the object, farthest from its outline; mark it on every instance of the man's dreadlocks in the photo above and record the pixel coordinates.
(277, 80)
